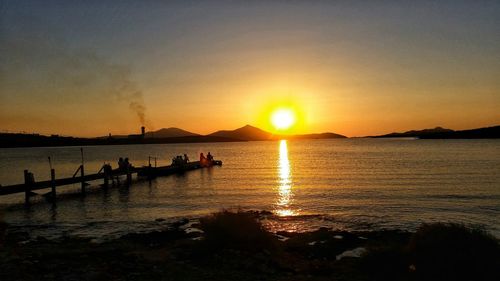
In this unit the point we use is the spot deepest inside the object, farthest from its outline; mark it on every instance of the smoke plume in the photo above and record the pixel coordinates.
(39, 66)
(140, 110)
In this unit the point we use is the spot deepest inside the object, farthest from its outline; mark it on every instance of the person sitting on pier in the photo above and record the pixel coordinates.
(127, 164)
(203, 159)
(177, 160)
(186, 158)
(210, 158)
(121, 165)
(107, 168)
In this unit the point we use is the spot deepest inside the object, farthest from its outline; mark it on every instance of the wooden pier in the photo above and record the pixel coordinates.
(105, 173)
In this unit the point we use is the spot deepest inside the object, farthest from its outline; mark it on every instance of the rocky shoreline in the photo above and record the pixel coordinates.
(235, 246)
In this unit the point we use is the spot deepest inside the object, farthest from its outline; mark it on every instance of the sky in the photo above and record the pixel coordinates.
(90, 68)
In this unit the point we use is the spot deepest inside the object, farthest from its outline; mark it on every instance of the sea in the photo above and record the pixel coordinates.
(355, 184)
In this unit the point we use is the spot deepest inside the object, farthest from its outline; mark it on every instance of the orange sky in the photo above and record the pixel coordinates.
(87, 69)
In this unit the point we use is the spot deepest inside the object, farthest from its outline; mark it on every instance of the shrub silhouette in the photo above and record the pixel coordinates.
(3, 230)
(236, 230)
(447, 251)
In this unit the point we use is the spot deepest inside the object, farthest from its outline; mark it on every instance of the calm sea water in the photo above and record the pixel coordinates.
(353, 184)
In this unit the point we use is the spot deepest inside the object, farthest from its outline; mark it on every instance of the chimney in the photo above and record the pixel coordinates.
(143, 131)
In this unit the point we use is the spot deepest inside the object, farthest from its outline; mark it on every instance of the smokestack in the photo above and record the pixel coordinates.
(143, 131)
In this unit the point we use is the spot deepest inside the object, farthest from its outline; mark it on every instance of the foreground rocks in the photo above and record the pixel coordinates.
(234, 246)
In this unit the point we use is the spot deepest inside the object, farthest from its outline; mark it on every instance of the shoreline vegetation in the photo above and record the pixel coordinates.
(234, 245)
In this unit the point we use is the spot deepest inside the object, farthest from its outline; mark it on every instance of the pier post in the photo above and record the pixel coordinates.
(149, 170)
(53, 182)
(28, 180)
(106, 176)
(129, 176)
(82, 174)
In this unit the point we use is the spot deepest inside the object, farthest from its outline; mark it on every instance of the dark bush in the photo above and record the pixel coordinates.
(3, 230)
(446, 251)
(386, 263)
(236, 230)
(387, 258)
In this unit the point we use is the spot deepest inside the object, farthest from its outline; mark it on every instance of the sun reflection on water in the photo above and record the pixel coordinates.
(284, 183)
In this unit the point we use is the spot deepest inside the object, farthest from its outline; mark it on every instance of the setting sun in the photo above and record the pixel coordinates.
(283, 119)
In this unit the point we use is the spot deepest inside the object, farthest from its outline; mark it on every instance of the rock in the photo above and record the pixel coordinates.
(354, 253)
(180, 223)
(193, 229)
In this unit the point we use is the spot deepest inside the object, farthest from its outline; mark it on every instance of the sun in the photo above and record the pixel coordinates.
(283, 119)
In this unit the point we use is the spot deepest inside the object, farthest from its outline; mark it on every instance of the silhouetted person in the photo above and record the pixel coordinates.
(186, 158)
(203, 159)
(178, 160)
(126, 164)
(121, 164)
(107, 169)
(210, 158)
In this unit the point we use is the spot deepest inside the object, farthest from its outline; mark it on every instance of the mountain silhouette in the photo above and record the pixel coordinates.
(171, 132)
(415, 133)
(250, 133)
(247, 133)
(441, 133)
(312, 136)
(480, 133)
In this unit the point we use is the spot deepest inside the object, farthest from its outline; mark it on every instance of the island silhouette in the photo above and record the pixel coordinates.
(243, 134)
(442, 133)
(164, 135)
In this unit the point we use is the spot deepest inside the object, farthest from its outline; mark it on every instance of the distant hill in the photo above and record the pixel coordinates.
(248, 133)
(480, 133)
(169, 133)
(415, 133)
(35, 140)
(441, 133)
(165, 135)
(314, 136)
